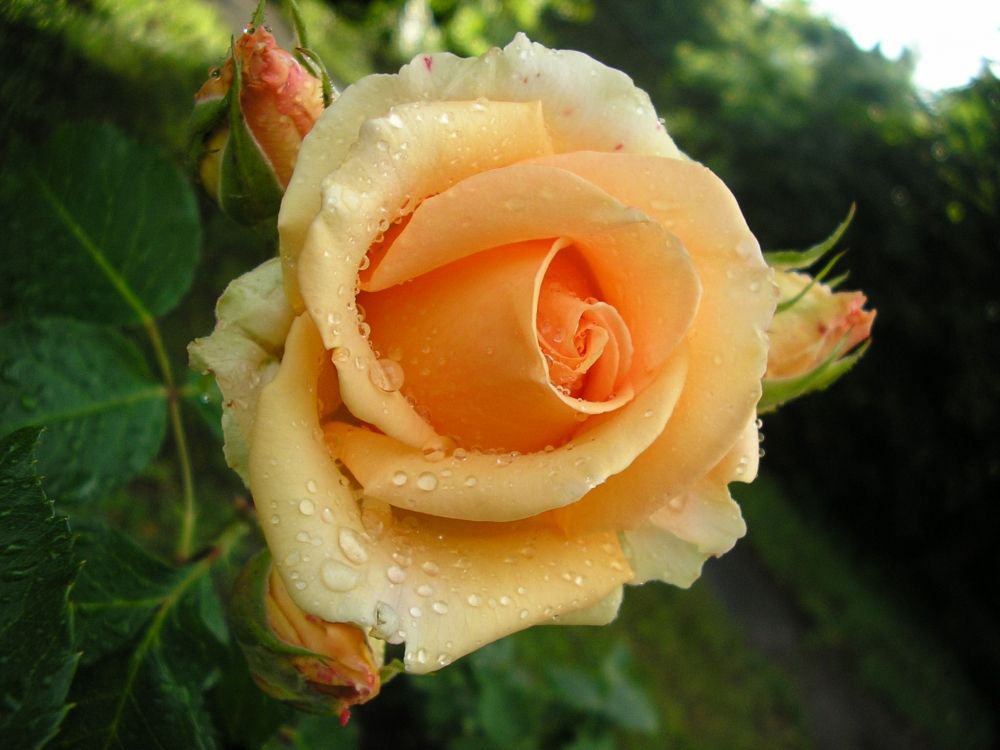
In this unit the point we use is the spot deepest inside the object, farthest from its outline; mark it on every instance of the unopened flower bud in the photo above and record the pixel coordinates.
(815, 339)
(316, 666)
(249, 119)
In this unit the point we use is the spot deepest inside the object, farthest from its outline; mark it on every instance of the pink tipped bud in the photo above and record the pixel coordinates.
(250, 118)
(820, 322)
(317, 666)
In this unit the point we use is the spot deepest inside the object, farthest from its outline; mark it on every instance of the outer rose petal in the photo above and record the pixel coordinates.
(727, 337)
(585, 106)
(404, 576)
(244, 352)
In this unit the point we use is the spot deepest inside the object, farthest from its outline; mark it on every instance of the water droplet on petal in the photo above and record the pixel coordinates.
(338, 577)
(474, 600)
(415, 612)
(275, 519)
(311, 486)
(430, 568)
(440, 607)
(307, 508)
(351, 545)
(471, 481)
(425, 590)
(399, 478)
(395, 574)
(387, 375)
(427, 481)
(386, 621)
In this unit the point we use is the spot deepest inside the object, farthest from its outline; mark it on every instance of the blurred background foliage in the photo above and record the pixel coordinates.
(855, 614)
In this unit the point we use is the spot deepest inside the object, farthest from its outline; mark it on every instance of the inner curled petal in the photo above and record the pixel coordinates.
(586, 344)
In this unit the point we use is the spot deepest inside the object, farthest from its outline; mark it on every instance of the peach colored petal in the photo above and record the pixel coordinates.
(444, 587)
(365, 195)
(585, 105)
(243, 352)
(465, 337)
(727, 339)
(643, 272)
(491, 487)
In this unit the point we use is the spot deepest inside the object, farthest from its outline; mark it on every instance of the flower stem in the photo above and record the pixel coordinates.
(185, 540)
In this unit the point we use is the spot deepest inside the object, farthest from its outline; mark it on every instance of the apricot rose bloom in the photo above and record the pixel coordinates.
(509, 361)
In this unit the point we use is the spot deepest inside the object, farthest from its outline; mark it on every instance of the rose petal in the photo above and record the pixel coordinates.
(490, 487)
(243, 352)
(643, 272)
(465, 336)
(727, 339)
(365, 195)
(602, 612)
(403, 575)
(585, 105)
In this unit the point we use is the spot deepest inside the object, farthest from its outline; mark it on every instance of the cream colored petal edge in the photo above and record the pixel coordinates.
(705, 521)
(586, 106)
(490, 487)
(443, 587)
(602, 612)
(366, 194)
(727, 337)
(243, 352)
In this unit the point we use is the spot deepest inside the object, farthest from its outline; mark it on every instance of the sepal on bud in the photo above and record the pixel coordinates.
(817, 334)
(249, 120)
(314, 665)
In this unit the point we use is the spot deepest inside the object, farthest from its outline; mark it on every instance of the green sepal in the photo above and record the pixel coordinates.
(249, 190)
(269, 657)
(314, 64)
(790, 302)
(777, 391)
(391, 670)
(791, 260)
(207, 115)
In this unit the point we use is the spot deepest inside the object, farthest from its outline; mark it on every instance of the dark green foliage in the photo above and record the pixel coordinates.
(37, 654)
(152, 637)
(101, 228)
(90, 387)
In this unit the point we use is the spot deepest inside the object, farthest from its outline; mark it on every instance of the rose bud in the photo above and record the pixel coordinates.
(316, 666)
(249, 120)
(816, 332)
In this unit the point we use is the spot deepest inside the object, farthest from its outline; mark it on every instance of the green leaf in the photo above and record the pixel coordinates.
(91, 388)
(147, 689)
(98, 228)
(37, 659)
(790, 260)
(118, 592)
